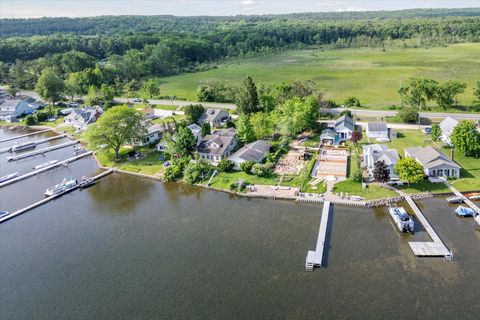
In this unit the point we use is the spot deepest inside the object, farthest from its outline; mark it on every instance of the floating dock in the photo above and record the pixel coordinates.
(435, 248)
(55, 165)
(42, 151)
(315, 258)
(9, 149)
(24, 135)
(43, 201)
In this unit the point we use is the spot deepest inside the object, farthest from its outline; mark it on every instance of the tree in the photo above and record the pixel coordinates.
(117, 127)
(193, 112)
(196, 171)
(296, 115)
(266, 99)
(246, 98)
(352, 102)
(225, 165)
(175, 169)
(31, 120)
(73, 85)
(245, 133)
(381, 172)
(261, 170)
(263, 125)
(466, 138)
(446, 93)
(476, 93)
(49, 86)
(93, 96)
(356, 136)
(151, 88)
(409, 170)
(408, 114)
(182, 144)
(129, 89)
(106, 93)
(436, 132)
(347, 113)
(416, 92)
(206, 129)
(247, 166)
(12, 90)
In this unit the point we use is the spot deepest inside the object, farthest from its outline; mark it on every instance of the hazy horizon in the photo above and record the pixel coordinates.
(87, 8)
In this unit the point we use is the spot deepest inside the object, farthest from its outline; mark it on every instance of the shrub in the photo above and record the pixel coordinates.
(196, 172)
(408, 114)
(31, 120)
(357, 176)
(172, 173)
(261, 170)
(247, 166)
(225, 165)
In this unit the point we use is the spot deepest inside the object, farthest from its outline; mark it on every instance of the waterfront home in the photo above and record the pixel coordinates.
(379, 152)
(214, 117)
(13, 107)
(327, 137)
(378, 131)
(255, 151)
(447, 126)
(217, 146)
(435, 163)
(194, 128)
(154, 133)
(340, 132)
(80, 118)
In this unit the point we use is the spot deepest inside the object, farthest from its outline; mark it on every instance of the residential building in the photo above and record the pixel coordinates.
(378, 131)
(255, 151)
(447, 126)
(197, 132)
(380, 152)
(13, 107)
(435, 163)
(217, 146)
(340, 132)
(327, 137)
(80, 118)
(214, 117)
(154, 134)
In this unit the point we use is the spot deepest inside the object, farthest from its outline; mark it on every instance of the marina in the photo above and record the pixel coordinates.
(315, 258)
(42, 151)
(17, 147)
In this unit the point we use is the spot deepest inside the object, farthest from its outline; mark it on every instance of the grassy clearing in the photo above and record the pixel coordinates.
(165, 107)
(424, 186)
(371, 75)
(223, 180)
(369, 193)
(407, 139)
(469, 174)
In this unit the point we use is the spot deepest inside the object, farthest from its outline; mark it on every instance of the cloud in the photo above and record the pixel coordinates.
(247, 2)
(329, 4)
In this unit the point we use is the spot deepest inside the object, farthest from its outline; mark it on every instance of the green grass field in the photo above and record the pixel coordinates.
(371, 75)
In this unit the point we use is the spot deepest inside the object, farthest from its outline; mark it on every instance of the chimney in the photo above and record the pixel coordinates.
(452, 154)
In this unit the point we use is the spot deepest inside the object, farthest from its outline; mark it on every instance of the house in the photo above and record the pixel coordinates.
(80, 118)
(154, 133)
(447, 126)
(13, 107)
(378, 131)
(255, 151)
(197, 132)
(214, 117)
(341, 131)
(327, 137)
(435, 163)
(217, 146)
(379, 152)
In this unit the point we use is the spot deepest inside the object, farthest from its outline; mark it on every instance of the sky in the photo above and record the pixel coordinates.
(82, 8)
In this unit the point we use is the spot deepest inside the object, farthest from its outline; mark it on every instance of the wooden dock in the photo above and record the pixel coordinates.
(42, 151)
(24, 135)
(37, 142)
(315, 258)
(43, 201)
(467, 201)
(55, 165)
(435, 248)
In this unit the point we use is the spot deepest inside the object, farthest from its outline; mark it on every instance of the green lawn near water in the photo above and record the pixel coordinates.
(372, 75)
(369, 193)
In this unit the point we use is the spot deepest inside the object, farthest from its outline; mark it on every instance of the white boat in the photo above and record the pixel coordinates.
(79, 150)
(474, 196)
(454, 199)
(46, 164)
(68, 183)
(4, 214)
(402, 219)
(9, 176)
(86, 182)
(23, 146)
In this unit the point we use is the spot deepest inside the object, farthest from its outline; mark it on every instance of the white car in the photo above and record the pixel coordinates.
(136, 100)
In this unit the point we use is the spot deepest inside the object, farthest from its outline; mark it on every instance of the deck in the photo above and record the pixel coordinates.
(315, 258)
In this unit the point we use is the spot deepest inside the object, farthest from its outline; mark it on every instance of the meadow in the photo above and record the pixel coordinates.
(372, 75)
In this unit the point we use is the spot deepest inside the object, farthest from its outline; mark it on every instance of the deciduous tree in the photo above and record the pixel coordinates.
(446, 92)
(381, 172)
(436, 132)
(356, 136)
(49, 86)
(263, 125)
(244, 133)
(246, 98)
(409, 170)
(466, 138)
(193, 112)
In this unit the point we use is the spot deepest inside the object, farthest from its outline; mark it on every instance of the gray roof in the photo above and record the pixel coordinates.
(344, 122)
(215, 144)
(390, 157)
(328, 133)
(430, 157)
(194, 128)
(211, 115)
(88, 114)
(254, 151)
(377, 126)
(11, 103)
(374, 148)
(155, 128)
(447, 126)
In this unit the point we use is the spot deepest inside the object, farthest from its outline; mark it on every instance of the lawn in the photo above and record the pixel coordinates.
(150, 165)
(369, 193)
(407, 139)
(372, 75)
(165, 107)
(424, 186)
(469, 174)
(223, 180)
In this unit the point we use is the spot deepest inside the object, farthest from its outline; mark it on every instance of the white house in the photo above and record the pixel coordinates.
(214, 117)
(447, 126)
(154, 133)
(12, 108)
(255, 151)
(217, 146)
(435, 163)
(379, 152)
(197, 132)
(378, 131)
(344, 126)
(80, 118)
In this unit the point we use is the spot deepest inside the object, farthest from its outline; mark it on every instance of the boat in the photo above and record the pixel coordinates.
(23, 146)
(86, 182)
(464, 211)
(454, 199)
(3, 214)
(68, 183)
(9, 176)
(46, 164)
(473, 196)
(78, 151)
(402, 219)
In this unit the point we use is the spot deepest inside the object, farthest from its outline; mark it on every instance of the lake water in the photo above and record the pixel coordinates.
(130, 248)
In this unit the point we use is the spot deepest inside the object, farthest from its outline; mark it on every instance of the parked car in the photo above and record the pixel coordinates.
(136, 100)
(427, 130)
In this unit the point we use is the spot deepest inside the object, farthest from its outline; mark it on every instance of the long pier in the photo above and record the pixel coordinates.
(435, 248)
(315, 258)
(46, 200)
(55, 165)
(42, 151)
(8, 149)
(24, 135)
